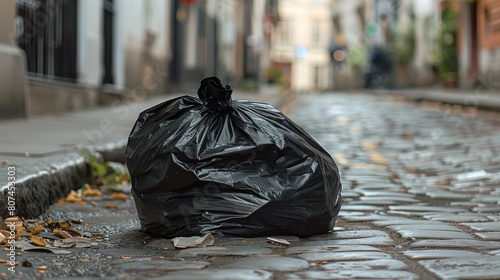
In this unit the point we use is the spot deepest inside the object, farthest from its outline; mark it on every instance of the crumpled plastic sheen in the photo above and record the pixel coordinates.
(229, 168)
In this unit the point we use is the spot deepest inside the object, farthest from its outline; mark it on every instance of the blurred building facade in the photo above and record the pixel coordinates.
(426, 43)
(478, 45)
(299, 45)
(62, 55)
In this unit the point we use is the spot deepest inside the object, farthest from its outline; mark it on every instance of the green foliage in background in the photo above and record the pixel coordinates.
(274, 75)
(447, 45)
(109, 173)
(358, 57)
(403, 42)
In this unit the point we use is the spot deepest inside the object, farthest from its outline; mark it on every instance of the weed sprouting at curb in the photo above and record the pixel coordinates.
(109, 174)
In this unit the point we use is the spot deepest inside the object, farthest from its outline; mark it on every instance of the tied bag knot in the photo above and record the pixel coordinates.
(213, 95)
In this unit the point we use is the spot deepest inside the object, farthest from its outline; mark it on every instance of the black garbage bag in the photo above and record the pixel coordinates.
(230, 168)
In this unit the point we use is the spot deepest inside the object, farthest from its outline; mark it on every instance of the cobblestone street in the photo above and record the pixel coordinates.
(421, 201)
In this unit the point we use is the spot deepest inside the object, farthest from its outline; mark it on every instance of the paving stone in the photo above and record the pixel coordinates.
(457, 243)
(410, 214)
(374, 241)
(490, 235)
(359, 234)
(495, 252)
(360, 207)
(495, 218)
(460, 218)
(329, 248)
(487, 209)
(355, 274)
(269, 263)
(433, 234)
(158, 264)
(216, 274)
(377, 202)
(423, 226)
(223, 251)
(346, 214)
(343, 256)
(387, 200)
(425, 208)
(366, 217)
(388, 194)
(349, 194)
(403, 221)
(484, 226)
(366, 265)
(487, 199)
(465, 268)
(439, 254)
(465, 204)
(439, 194)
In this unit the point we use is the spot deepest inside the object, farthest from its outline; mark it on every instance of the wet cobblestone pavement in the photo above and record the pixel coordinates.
(421, 201)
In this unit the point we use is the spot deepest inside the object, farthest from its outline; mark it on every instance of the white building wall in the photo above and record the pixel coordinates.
(302, 14)
(137, 17)
(132, 19)
(90, 42)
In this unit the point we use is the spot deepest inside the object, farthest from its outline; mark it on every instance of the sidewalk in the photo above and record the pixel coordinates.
(40, 152)
(482, 99)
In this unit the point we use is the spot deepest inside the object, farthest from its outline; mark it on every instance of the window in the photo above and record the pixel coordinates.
(317, 36)
(47, 33)
(489, 23)
(284, 34)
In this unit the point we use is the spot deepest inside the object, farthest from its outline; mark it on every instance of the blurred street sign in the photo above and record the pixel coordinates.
(300, 52)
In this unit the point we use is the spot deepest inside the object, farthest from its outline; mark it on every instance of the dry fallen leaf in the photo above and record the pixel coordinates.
(64, 224)
(3, 238)
(3, 261)
(34, 230)
(19, 225)
(445, 182)
(61, 233)
(368, 145)
(84, 260)
(72, 197)
(394, 175)
(42, 267)
(38, 241)
(92, 192)
(94, 203)
(111, 206)
(121, 196)
(125, 257)
(99, 234)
